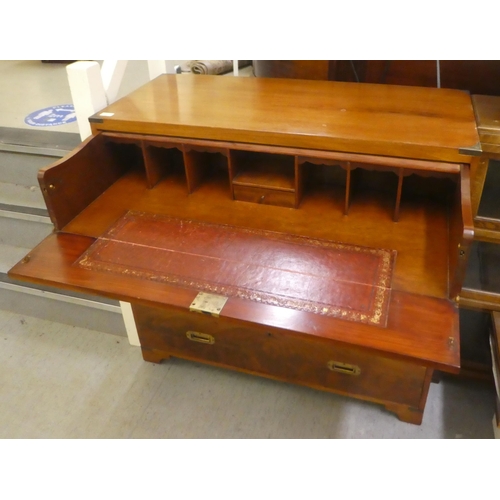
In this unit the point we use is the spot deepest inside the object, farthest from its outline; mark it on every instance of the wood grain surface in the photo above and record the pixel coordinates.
(408, 122)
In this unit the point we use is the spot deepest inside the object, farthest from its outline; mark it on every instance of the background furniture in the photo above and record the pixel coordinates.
(477, 77)
(480, 296)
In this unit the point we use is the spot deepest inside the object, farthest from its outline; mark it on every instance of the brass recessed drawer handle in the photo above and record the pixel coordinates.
(337, 366)
(203, 338)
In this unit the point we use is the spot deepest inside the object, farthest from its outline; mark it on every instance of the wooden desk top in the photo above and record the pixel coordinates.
(411, 122)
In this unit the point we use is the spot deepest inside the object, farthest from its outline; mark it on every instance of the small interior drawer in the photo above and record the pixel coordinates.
(265, 196)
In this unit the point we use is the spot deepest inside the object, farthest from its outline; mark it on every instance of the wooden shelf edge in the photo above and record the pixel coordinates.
(475, 299)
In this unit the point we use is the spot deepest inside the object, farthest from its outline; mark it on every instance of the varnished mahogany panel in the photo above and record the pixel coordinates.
(419, 329)
(279, 354)
(334, 279)
(461, 233)
(411, 122)
(65, 184)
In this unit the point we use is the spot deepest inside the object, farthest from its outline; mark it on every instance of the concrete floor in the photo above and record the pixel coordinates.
(59, 381)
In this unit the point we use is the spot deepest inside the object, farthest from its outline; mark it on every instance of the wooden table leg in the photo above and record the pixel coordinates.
(409, 414)
(406, 413)
(153, 356)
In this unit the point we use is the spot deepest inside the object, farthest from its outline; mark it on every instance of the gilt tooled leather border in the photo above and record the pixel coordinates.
(379, 304)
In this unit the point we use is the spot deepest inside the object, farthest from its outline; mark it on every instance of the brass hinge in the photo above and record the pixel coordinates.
(475, 150)
(208, 303)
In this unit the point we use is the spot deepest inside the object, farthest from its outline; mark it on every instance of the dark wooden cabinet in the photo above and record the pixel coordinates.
(476, 77)
(333, 221)
(481, 288)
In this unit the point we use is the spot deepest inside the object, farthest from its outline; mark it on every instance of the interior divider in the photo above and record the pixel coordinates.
(398, 195)
(347, 188)
(194, 157)
(232, 170)
(196, 168)
(157, 160)
(299, 181)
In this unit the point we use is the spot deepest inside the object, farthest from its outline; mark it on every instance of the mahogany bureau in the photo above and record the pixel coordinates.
(308, 231)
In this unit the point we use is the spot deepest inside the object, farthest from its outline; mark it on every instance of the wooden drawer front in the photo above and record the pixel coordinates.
(279, 354)
(265, 196)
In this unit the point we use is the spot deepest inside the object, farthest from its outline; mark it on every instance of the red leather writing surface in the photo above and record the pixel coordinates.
(319, 276)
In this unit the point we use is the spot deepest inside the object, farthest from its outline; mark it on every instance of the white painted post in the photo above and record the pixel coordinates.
(87, 92)
(112, 75)
(130, 326)
(156, 68)
(236, 69)
(92, 90)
